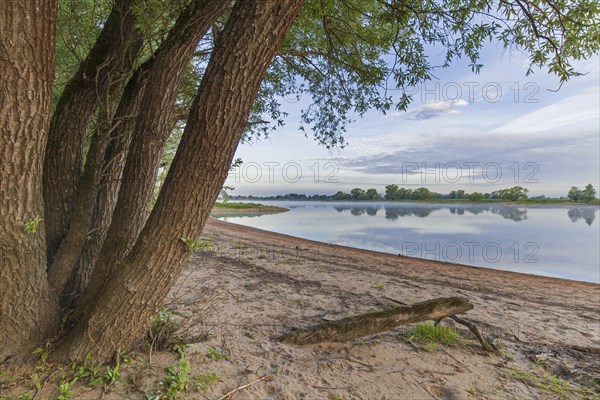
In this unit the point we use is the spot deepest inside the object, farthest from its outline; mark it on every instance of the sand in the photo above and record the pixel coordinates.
(263, 283)
(254, 285)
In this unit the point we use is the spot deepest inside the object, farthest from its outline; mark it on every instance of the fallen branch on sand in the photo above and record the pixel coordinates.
(368, 324)
(473, 328)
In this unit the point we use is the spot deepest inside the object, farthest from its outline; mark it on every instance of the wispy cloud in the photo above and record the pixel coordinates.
(434, 110)
(567, 117)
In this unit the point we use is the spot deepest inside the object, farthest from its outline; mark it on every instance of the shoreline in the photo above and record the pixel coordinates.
(393, 257)
(256, 247)
(260, 209)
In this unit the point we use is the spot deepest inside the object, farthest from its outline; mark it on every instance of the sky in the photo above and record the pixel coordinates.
(476, 132)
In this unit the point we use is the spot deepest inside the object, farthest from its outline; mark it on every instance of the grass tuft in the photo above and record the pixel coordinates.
(432, 335)
(204, 382)
(554, 384)
(164, 325)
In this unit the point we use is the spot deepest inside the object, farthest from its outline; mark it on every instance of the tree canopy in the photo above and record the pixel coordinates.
(586, 195)
(348, 57)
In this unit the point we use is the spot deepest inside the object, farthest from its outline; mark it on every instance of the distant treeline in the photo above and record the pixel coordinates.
(395, 193)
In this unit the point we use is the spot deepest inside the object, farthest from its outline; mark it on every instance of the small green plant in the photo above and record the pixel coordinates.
(204, 382)
(86, 372)
(164, 324)
(216, 353)
(249, 335)
(87, 369)
(336, 397)
(196, 244)
(126, 358)
(32, 225)
(96, 373)
(111, 375)
(432, 335)
(42, 352)
(26, 396)
(474, 391)
(65, 389)
(380, 286)
(176, 378)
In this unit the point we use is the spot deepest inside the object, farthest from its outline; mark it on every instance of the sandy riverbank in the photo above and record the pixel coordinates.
(254, 285)
(263, 283)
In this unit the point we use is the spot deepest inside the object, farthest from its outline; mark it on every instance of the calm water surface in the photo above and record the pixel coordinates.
(559, 241)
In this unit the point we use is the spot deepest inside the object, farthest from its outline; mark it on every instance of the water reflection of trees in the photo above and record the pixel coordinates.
(421, 212)
(588, 214)
(472, 210)
(393, 213)
(358, 211)
(513, 213)
(507, 212)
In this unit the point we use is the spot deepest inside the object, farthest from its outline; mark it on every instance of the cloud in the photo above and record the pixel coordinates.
(434, 110)
(539, 163)
(565, 117)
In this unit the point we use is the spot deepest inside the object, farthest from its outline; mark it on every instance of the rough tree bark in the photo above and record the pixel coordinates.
(110, 179)
(153, 126)
(28, 310)
(70, 249)
(59, 272)
(242, 55)
(72, 116)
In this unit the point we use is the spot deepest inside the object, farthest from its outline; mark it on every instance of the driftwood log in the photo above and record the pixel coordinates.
(357, 326)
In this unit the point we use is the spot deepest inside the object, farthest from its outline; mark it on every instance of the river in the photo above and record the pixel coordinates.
(552, 240)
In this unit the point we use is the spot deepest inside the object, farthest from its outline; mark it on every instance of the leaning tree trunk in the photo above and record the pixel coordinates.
(241, 57)
(110, 179)
(74, 111)
(152, 128)
(69, 251)
(65, 260)
(28, 310)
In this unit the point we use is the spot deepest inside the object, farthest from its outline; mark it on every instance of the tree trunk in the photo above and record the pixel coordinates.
(28, 310)
(110, 180)
(74, 111)
(152, 128)
(363, 325)
(69, 251)
(220, 111)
